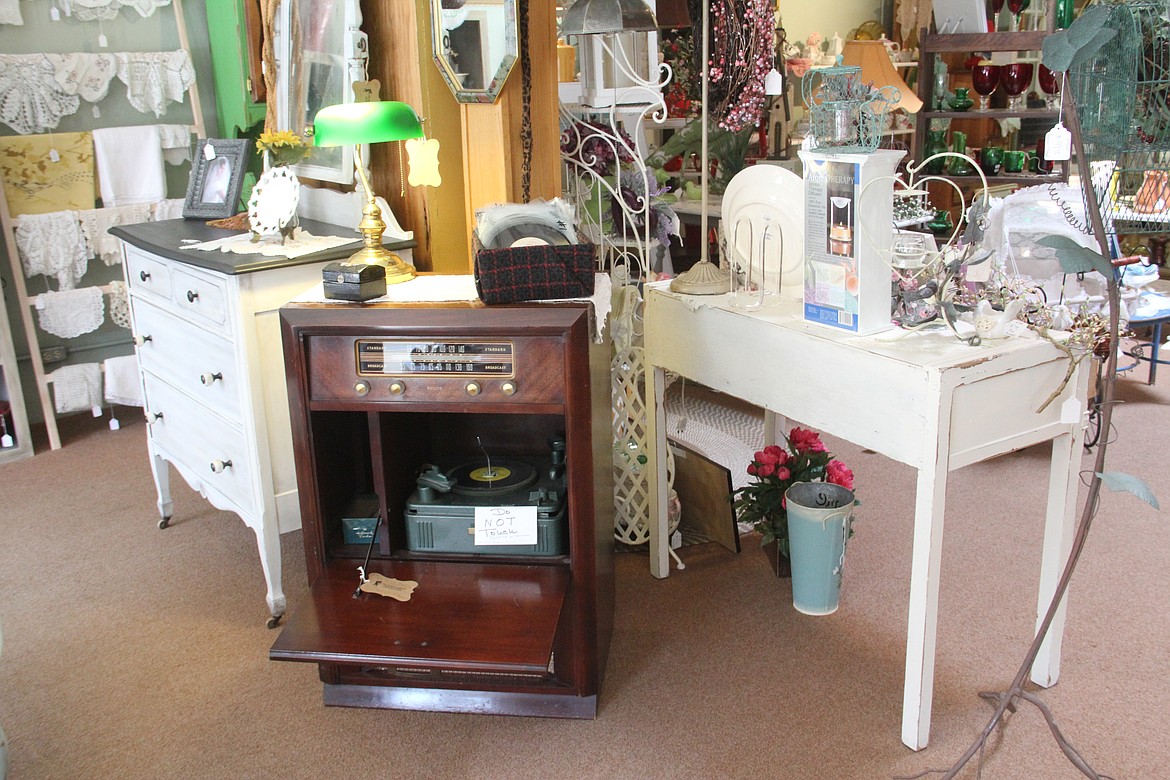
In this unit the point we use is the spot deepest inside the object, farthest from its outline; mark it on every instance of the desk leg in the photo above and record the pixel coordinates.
(657, 482)
(1059, 530)
(922, 623)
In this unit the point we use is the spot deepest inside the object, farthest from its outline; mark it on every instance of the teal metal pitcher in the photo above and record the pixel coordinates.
(819, 518)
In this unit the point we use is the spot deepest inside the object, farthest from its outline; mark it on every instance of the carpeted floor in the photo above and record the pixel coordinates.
(131, 652)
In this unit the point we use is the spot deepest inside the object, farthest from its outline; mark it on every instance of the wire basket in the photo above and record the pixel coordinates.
(1123, 104)
(845, 115)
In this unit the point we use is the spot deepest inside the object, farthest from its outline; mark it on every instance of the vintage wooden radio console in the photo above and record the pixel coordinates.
(438, 410)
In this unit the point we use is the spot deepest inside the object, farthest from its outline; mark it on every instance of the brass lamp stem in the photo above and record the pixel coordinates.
(372, 227)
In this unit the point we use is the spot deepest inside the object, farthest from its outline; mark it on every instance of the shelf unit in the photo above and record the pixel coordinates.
(931, 44)
(16, 419)
(42, 378)
(482, 633)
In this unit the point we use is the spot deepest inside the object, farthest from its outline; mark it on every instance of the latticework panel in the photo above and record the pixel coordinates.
(1123, 104)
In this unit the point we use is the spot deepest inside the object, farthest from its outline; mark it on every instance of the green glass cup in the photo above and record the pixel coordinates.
(990, 159)
(1015, 161)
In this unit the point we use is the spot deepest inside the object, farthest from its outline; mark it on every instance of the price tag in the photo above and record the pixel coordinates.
(505, 525)
(1058, 143)
(54, 155)
(208, 152)
(6, 441)
(102, 40)
(54, 14)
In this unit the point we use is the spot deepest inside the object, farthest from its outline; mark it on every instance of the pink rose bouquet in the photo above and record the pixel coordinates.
(774, 469)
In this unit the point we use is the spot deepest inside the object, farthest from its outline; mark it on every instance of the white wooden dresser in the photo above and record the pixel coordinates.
(207, 334)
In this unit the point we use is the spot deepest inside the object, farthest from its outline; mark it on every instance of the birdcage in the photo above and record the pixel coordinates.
(845, 114)
(1123, 104)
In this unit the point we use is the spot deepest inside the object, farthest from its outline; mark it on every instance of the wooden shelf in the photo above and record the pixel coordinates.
(997, 41)
(991, 113)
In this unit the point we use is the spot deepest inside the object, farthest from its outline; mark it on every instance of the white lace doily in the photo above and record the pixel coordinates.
(119, 305)
(31, 100)
(83, 74)
(105, 10)
(155, 78)
(52, 244)
(301, 243)
(95, 224)
(70, 313)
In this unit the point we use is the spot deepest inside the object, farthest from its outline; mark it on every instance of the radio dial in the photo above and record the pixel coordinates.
(473, 388)
(361, 388)
(508, 388)
(397, 388)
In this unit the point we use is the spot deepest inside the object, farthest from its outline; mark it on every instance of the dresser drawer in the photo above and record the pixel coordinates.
(146, 274)
(200, 363)
(201, 296)
(201, 442)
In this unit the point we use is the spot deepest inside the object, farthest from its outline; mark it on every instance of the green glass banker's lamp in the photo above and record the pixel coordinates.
(369, 123)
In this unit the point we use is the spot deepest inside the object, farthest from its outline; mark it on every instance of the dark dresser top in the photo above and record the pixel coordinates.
(168, 238)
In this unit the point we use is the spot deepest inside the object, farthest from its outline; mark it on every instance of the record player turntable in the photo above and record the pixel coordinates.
(440, 514)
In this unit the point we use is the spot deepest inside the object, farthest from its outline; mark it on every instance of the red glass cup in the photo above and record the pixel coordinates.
(1050, 85)
(1015, 78)
(984, 80)
(1017, 7)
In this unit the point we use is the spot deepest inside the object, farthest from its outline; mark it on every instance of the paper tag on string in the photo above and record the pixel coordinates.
(208, 152)
(6, 441)
(54, 155)
(102, 42)
(1058, 143)
(54, 14)
(423, 155)
(381, 585)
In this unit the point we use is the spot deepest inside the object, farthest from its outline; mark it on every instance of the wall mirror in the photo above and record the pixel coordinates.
(475, 46)
(320, 52)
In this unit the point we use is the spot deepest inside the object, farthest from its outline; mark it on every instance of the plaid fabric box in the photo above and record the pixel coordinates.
(534, 273)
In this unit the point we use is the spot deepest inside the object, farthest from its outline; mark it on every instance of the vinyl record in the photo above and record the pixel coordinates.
(504, 476)
(528, 226)
(528, 234)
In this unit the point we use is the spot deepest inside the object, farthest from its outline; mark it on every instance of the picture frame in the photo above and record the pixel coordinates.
(217, 176)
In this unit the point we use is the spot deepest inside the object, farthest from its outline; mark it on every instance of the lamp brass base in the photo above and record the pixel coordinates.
(397, 269)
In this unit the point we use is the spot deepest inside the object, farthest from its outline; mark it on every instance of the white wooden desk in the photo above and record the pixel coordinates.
(933, 403)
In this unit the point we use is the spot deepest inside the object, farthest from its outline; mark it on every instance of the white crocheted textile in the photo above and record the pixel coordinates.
(52, 244)
(96, 222)
(105, 10)
(171, 208)
(31, 100)
(10, 12)
(77, 388)
(70, 313)
(155, 78)
(83, 74)
(119, 305)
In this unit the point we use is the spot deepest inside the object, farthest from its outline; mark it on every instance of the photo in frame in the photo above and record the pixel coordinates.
(217, 176)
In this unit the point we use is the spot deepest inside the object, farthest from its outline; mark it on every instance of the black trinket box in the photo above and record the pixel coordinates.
(357, 282)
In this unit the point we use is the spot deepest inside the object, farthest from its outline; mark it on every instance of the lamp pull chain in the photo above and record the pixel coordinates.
(401, 173)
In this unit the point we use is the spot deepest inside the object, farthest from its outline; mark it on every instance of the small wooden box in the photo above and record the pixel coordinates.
(357, 282)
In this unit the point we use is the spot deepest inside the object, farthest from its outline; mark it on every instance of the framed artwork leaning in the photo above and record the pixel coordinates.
(217, 176)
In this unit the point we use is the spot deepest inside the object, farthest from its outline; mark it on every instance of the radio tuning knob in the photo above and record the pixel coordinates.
(361, 388)
(472, 388)
(397, 388)
(508, 388)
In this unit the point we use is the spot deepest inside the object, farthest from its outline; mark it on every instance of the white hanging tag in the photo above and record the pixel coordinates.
(54, 155)
(114, 424)
(1058, 143)
(102, 42)
(97, 411)
(54, 14)
(208, 152)
(6, 441)
(97, 112)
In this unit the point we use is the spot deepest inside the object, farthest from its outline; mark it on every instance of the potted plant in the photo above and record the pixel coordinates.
(774, 469)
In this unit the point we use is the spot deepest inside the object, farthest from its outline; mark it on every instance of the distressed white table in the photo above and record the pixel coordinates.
(930, 402)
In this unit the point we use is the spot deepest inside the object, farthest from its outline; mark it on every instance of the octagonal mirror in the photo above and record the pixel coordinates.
(475, 45)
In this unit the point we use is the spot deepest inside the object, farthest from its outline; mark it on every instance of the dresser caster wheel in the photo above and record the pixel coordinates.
(166, 521)
(274, 621)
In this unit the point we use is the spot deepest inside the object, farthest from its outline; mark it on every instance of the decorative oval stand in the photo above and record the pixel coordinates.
(272, 208)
